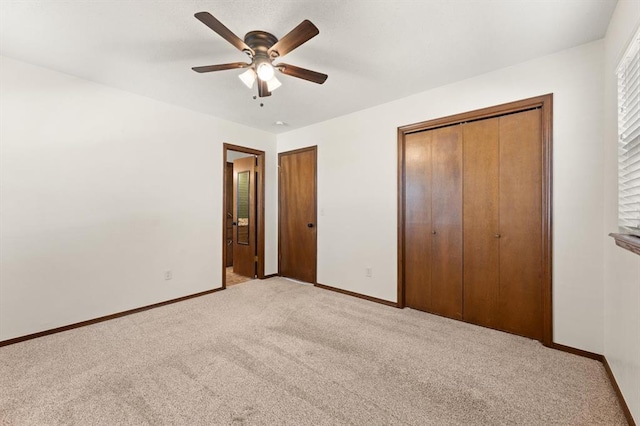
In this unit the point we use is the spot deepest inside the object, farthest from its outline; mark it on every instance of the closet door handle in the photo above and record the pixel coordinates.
(433, 232)
(497, 235)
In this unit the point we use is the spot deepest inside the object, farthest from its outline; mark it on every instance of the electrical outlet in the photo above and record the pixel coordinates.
(168, 275)
(368, 272)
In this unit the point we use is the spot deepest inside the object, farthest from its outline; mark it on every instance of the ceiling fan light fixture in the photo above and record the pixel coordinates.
(248, 77)
(273, 84)
(262, 48)
(265, 71)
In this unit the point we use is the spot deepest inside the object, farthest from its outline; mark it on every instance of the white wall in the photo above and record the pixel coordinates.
(234, 155)
(100, 192)
(357, 182)
(621, 267)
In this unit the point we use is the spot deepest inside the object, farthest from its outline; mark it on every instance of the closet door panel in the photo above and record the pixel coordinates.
(446, 210)
(417, 220)
(520, 302)
(481, 221)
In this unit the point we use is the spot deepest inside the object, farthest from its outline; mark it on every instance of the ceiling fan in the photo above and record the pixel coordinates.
(263, 48)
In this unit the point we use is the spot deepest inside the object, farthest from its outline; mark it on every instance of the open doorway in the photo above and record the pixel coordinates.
(243, 215)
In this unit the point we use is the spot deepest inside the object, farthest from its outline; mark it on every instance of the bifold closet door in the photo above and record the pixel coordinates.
(503, 223)
(481, 221)
(417, 210)
(520, 302)
(446, 213)
(433, 221)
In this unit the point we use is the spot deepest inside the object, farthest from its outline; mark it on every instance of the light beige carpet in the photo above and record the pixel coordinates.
(276, 352)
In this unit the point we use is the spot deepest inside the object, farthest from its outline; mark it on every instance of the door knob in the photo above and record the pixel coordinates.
(310, 225)
(497, 235)
(433, 232)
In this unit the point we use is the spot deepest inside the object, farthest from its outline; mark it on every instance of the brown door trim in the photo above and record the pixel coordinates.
(314, 149)
(260, 200)
(228, 207)
(545, 103)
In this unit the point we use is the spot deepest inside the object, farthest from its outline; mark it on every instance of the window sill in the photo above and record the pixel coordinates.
(628, 242)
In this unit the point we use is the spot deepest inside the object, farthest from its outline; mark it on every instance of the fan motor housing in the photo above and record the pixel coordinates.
(260, 41)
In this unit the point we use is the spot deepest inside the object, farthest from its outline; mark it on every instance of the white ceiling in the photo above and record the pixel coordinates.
(374, 51)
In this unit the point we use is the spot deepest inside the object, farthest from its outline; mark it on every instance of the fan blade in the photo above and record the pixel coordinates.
(224, 32)
(297, 36)
(221, 67)
(305, 74)
(263, 89)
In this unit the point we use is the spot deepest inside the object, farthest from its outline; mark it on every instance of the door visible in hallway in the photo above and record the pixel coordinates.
(297, 214)
(244, 216)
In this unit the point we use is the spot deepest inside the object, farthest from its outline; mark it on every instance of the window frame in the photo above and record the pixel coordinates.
(631, 53)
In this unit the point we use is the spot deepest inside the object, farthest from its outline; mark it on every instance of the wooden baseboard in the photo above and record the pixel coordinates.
(358, 295)
(104, 318)
(616, 388)
(576, 351)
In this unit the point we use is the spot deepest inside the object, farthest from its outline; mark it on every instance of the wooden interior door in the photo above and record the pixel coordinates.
(244, 217)
(417, 220)
(446, 212)
(297, 214)
(521, 251)
(229, 214)
(481, 221)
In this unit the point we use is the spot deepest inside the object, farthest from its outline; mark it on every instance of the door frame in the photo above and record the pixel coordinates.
(545, 103)
(260, 169)
(313, 148)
